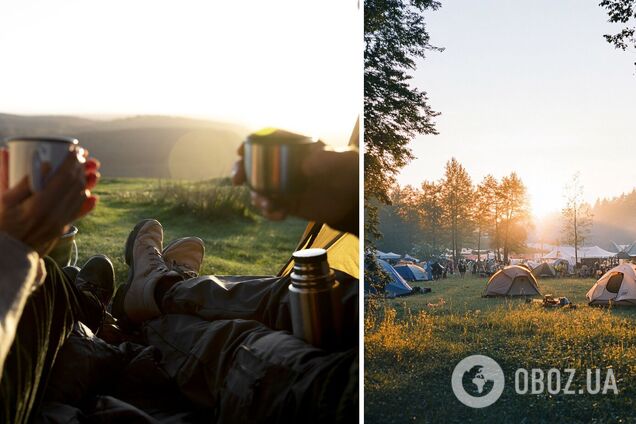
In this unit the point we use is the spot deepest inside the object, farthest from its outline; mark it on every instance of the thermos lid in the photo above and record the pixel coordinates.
(277, 136)
(310, 256)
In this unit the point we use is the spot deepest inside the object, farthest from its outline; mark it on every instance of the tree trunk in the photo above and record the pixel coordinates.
(479, 244)
(576, 240)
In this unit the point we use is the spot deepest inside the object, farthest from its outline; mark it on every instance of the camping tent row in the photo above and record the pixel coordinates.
(567, 253)
(616, 287)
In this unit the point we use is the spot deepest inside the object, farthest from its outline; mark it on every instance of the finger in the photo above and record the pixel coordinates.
(70, 206)
(275, 215)
(238, 173)
(91, 180)
(71, 171)
(45, 170)
(272, 210)
(256, 199)
(17, 194)
(92, 164)
(4, 169)
(89, 204)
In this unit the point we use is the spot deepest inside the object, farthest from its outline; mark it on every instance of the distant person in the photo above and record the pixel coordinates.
(461, 268)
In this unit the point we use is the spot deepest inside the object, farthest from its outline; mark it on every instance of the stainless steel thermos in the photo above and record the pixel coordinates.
(315, 299)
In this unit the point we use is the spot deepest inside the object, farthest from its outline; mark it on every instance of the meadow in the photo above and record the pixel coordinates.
(412, 345)
(237, 240)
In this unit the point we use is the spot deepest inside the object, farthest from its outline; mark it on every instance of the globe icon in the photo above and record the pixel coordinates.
(477, 381)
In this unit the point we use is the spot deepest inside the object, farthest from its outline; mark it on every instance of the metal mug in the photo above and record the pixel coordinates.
(27, 154)
(273, 161)
(65, 253)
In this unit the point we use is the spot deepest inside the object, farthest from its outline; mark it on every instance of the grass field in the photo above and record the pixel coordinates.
(412, 345)
(234, 245)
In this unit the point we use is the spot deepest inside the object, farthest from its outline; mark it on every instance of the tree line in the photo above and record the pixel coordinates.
(452, 213)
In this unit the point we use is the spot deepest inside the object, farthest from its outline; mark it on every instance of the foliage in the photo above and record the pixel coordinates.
(449, 213)
(486, 211)
(412, 345)
(623, 12)
(577, 216)
(515, 213)
(457, 204)
(394, 111)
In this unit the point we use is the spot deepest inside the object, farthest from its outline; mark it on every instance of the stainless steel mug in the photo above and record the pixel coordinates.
(27, 154)
(273, 161)
(315, 299)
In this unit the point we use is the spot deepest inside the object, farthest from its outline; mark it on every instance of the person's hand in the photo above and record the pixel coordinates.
(39, 219)
(330, 195)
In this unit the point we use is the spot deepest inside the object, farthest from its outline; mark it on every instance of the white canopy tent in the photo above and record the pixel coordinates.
(389, 256)
(586, 252)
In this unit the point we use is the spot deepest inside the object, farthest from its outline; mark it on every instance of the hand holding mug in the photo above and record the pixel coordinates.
(328, 193)
(39, 218)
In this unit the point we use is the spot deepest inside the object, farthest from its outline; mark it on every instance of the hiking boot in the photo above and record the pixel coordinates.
(71, 272)
(185, 255)
(98, 277)
(135, 301)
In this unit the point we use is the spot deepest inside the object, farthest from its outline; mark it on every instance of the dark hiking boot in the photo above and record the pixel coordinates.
(71, 272)
(185, 255)
(97, 276)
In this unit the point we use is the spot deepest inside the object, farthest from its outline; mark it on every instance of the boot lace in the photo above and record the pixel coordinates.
(182, 270)
(155, 260)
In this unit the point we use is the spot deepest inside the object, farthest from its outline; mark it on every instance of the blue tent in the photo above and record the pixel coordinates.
(397, 285)
(412, 272)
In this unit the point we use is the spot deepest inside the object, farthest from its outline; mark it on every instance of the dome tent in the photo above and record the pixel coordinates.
(512, 280)
(544, 270)
(616, 287)
(412, 272)
(397, 286)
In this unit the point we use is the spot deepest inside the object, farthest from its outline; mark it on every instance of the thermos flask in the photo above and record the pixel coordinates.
(315, 298)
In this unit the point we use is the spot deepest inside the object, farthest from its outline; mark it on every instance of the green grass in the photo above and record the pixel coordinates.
(411, 349)
(236, 243)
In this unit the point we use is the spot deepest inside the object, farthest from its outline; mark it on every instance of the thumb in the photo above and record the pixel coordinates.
(17, 194)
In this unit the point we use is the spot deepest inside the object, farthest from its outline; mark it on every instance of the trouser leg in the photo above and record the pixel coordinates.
(247, 372)
(45, 323)
(262, 299)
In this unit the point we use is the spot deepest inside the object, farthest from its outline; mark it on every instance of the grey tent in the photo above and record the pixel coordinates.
(544, 270)
(616, 287)
(513, 280)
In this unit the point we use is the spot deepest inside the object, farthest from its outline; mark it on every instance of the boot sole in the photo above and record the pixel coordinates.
(117, 309)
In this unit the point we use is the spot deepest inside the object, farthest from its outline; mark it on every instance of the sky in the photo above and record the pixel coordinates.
(530, 87)
(285, 63)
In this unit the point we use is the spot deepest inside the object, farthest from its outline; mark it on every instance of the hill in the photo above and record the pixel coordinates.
(143, 146)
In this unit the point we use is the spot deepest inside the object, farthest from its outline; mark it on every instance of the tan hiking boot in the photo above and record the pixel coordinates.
(135, 300)
(185, 255)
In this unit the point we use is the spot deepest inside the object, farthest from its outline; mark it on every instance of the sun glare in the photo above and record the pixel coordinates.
(295, 65)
